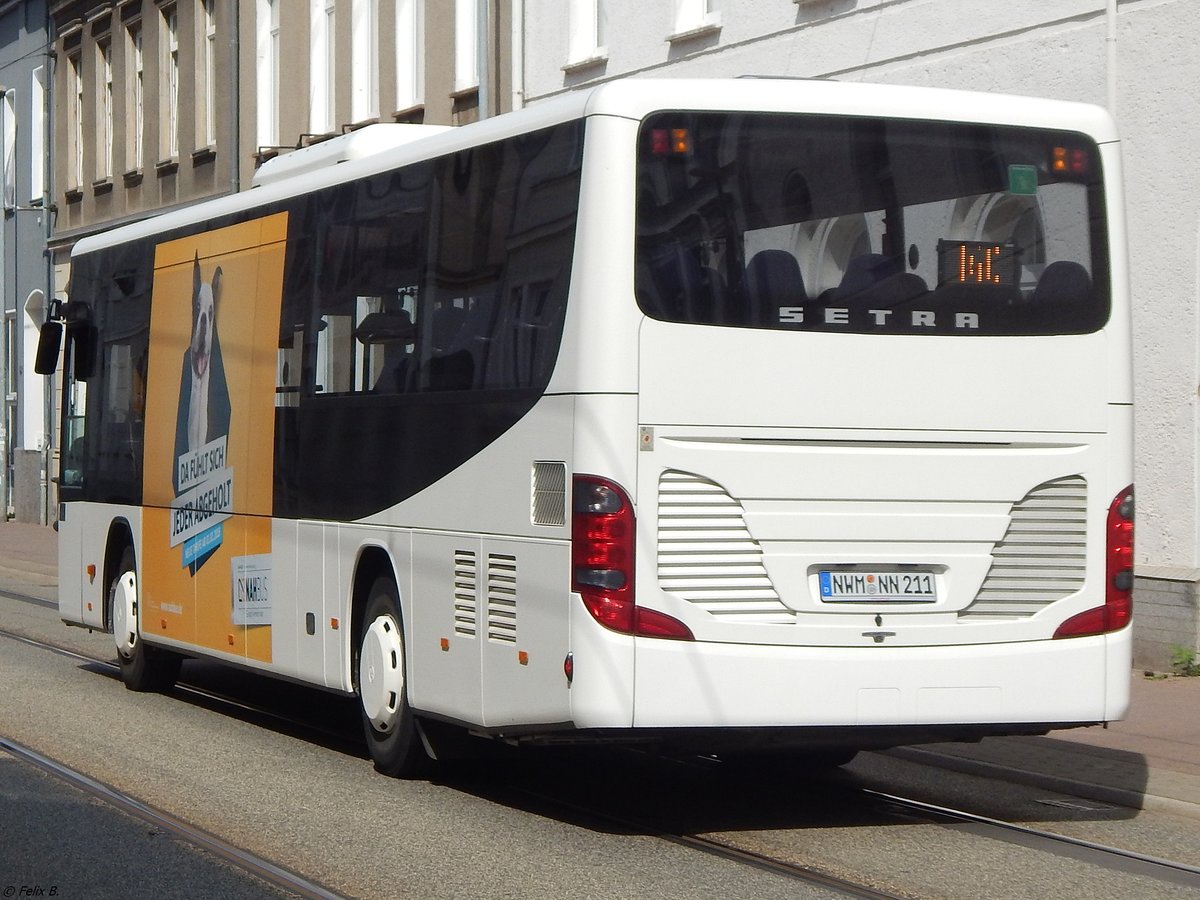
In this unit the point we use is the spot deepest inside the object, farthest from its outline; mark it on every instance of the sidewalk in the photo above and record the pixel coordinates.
(1149, 761)
(29, 559)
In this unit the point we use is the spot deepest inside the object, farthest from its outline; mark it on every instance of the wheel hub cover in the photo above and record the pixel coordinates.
(124, 614)
(381, 673)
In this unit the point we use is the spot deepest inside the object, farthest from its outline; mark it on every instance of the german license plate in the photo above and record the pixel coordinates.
(866, 586)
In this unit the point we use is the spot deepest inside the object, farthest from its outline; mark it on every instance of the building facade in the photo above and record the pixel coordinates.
(163, 103)
(24, 74)
(1137, 57)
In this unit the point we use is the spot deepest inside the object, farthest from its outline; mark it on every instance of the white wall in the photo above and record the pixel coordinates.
(1056, 49)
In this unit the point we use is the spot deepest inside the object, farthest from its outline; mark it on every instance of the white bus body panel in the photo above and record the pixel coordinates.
(82, 537)
(696, 685)
(762, 379)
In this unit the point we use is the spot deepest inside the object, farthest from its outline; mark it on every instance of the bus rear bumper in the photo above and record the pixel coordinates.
(707, 685)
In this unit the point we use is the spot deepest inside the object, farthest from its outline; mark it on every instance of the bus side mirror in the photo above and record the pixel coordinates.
(48, 348)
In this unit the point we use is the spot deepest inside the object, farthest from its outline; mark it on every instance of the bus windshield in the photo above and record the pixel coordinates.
(866, 225)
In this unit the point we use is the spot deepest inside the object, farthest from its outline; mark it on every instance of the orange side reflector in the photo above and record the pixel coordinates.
(445, 644)
(91, 570)
(230, 640)
(89, 606)
(523, 657)
(333, 623)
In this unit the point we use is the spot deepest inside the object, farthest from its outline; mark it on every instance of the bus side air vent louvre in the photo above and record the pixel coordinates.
(707, 556)
(549, 493)
(1042, 557)
(502, 598)
(466, 607)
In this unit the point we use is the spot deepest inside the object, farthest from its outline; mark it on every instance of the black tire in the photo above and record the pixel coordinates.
(143, 668)
(381, 682)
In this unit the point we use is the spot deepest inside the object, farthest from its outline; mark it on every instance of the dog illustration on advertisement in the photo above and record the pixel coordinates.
(203, 392)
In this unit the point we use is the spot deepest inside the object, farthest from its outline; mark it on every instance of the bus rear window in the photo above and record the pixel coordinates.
(863, 225)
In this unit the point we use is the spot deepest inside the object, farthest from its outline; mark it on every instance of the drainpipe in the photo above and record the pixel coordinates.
(49, 507)
(1110, 41)
(483, 33)
(518, 54)
(235, 99)
(5, 438)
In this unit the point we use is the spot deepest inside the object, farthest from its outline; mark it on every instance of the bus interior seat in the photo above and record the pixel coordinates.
(1063, 282)
(679, 277)
(772, 279)
(863, 273)
(447, 323)
(876, 280)
(450, 369)
(392, 332)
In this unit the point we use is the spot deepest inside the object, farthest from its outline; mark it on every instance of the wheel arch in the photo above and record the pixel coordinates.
(120, 538)
(374, 561)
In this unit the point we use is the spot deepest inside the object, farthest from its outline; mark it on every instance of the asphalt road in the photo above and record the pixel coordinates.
(518, 828)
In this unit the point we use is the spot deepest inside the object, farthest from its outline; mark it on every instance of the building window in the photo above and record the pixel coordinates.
(267, 66)
(206, 81)
(8, 164)
(587, 21)
(104, 111)
(169, 83)
(322, 92)
(74, 122)
(364, 74)
(134, 97)
(466, 45)
(37, 135)
(695, 17)
(410, 53)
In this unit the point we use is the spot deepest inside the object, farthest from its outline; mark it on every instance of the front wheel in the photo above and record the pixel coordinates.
(388, 721)
(143, 668)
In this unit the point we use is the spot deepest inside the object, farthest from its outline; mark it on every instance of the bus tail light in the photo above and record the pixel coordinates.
(603, 532)
(1117, 610)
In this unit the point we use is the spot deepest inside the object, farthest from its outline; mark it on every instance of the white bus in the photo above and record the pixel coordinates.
(749, 415)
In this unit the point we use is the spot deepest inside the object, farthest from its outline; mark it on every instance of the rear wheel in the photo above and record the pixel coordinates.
(143, 668)
(388, 721)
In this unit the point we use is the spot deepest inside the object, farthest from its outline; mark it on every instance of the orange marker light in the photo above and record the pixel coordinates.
(681, 140)
(445, 644)
(523, 657)
(91, 570)
(333, 623)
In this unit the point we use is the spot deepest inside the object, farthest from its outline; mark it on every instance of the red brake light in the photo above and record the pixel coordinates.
(1117, 611)
(603, 530)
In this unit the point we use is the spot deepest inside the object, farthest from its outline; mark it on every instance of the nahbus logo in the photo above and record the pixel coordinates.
(252, 590)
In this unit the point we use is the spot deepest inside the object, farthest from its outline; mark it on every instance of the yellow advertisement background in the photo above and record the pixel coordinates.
(199, 609)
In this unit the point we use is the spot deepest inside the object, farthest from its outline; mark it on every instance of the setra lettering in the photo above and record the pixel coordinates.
(878, 318)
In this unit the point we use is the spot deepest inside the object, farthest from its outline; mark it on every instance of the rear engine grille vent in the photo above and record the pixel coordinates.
(1043, 555)
(466, 609)
(549, 493)
(502, 598)
(707, 556)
